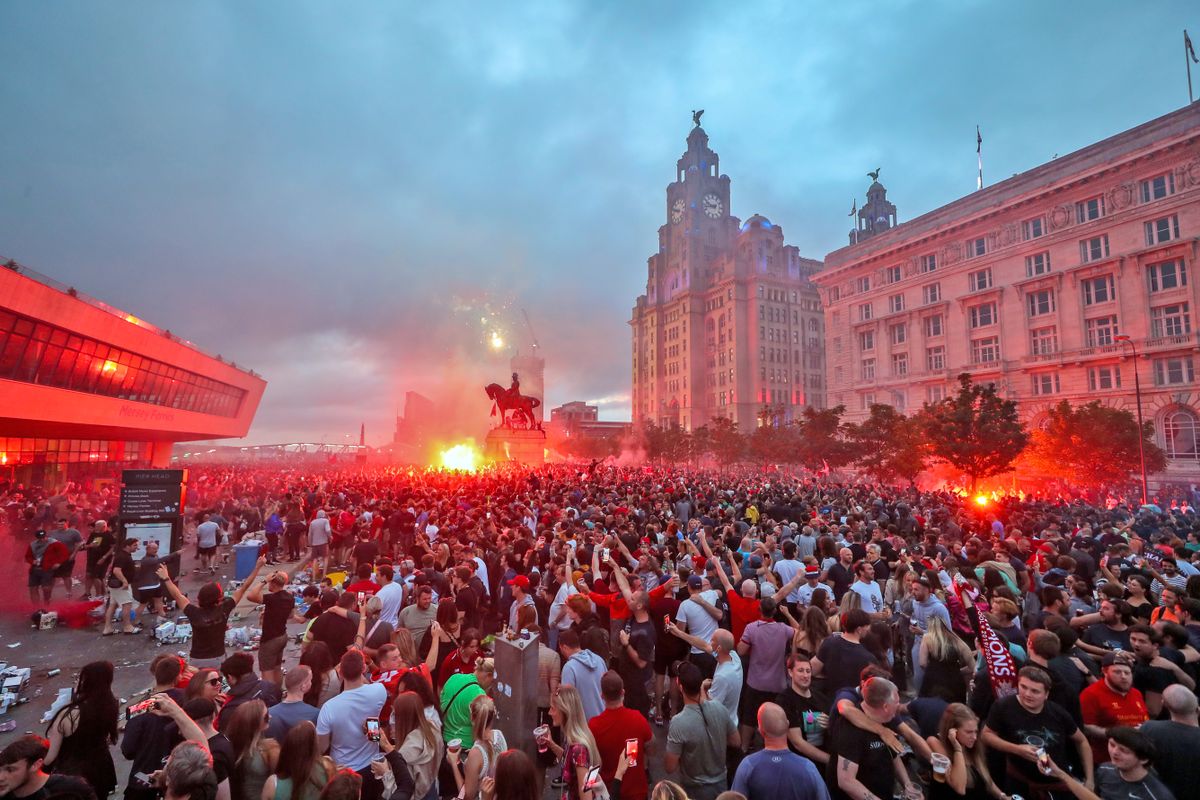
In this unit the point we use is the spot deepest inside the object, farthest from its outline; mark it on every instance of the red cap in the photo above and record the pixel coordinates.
(521, 581)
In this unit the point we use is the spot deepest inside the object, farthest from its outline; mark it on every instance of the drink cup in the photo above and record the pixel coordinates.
(941, 765)
(453, 747)
(541, 735)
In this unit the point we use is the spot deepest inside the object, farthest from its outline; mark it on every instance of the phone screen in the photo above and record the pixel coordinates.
(373, 728)
(593, 777)
(631, 751)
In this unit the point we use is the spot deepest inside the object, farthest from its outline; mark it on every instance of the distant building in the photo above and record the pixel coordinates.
(730, 324)
(87, 390)
(578, 419)
(1029, 283)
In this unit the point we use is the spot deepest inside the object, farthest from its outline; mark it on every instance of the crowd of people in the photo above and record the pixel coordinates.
(776, 635)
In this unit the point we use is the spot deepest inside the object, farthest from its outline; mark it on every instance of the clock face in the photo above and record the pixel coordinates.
(677, 210)
(713, 207)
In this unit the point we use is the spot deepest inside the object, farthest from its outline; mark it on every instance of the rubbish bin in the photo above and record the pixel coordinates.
(245, 556)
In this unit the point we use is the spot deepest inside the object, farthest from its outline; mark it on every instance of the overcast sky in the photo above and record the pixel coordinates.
(336, 193)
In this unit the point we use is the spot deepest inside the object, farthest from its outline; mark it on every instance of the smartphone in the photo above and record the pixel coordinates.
(631, 751)
(666, 620)
(593, 777)
(362, 596)
(137, 709)
(604, 556)
(373, 729)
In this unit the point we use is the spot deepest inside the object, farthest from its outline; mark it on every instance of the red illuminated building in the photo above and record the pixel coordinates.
(87, 389)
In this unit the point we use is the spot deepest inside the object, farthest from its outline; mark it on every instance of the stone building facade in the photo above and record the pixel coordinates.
(1032, 284)
(730, 324)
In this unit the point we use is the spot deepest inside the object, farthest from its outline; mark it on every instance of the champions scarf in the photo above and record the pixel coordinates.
(1002, 669)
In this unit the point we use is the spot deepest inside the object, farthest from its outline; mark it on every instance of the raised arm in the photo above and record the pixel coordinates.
(694, 641)
(246, 584)
(179, 597)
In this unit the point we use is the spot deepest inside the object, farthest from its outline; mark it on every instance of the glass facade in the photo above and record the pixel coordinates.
(32, 351)
(50, 462)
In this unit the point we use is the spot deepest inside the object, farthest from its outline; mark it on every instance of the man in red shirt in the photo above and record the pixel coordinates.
(44, 555)
(1111, 703)
(364, 583)
(612, 728)
(617, 603)
(745, 607)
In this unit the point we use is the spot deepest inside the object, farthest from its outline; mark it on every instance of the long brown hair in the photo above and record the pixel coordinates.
(245, 731)
(955, 715)
(408, 715)
(815, 626)
(297, 758)
(515, 777)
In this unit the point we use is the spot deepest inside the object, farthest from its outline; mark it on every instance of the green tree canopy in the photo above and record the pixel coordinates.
(821, 439)
(1092, 446)
(888, 445)
(975, 430)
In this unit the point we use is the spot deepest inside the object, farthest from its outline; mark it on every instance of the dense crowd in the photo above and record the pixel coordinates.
(792, 637)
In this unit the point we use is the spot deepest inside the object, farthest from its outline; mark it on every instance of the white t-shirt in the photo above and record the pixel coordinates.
(564, 591)
(699, 622)
(341, 719)
(482, 572)
(726, 687)
(872, 598)
(390, 596)
(206, 534)
(788, 569)
(318, 531)
(805, 591)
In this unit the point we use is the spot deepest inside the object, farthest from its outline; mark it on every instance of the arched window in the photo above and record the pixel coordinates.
(1180, 430)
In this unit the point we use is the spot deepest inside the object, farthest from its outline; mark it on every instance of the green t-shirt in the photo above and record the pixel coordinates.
(456, 708)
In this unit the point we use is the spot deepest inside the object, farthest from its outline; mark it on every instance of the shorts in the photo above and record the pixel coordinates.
(270, 653)
(205, 551)
(96, 571)
(751, 700)
(40, 577)
(146, 595)
(122, 596)
(65, 569)
(319, 550)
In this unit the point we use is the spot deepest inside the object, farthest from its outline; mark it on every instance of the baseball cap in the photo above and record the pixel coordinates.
(812, 571)
(521, 581)
(755, 561)
(695, 582)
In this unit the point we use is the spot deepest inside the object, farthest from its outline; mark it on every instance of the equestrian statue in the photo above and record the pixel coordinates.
(516, 409)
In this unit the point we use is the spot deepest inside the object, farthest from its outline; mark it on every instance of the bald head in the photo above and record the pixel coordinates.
(723, 639)
(749, 589)
(1179, 700)
(772, 722)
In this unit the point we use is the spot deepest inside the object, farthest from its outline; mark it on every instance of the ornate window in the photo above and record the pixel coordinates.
(1180, 432)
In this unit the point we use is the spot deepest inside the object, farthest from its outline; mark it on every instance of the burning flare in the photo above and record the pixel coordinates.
(463, 457)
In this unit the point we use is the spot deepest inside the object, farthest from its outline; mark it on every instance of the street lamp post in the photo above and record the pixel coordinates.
(1137, 391)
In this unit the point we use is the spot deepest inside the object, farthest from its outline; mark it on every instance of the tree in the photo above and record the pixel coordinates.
(821, 439)
(1092, 446)
(975, 431)
(889, 445)
(721, 438)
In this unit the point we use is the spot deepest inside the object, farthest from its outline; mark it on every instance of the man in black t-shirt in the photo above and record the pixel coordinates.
(807, 712)
(335, 627)
(864, 763)
(22, 776)
(98, 553)
(1023, 724)
(120, 588)
(841, 574)
(840, 659)
(278, 609)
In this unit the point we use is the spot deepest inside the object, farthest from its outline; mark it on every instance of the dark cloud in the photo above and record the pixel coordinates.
(311, 188)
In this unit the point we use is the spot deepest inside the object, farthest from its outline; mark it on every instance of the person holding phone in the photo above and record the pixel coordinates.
(620, 732)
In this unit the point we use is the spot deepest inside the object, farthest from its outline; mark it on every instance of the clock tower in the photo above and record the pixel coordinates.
(700, 339)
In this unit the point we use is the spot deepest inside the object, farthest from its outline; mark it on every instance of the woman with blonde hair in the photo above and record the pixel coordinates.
(1004, 616)
(668, 790)
(481, 759)
(578, 753)
(946, 661)
(959, 740)
(850, 601)
(415, 760)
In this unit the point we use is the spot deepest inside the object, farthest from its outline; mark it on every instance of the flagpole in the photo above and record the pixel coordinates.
(979, 157)
(1186, 60)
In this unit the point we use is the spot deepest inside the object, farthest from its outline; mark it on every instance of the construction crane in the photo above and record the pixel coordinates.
(532, 335)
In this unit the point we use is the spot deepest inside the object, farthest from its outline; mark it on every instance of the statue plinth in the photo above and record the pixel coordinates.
(513, 445)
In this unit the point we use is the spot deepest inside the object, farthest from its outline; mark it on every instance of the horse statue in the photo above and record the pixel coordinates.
(521, 407)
